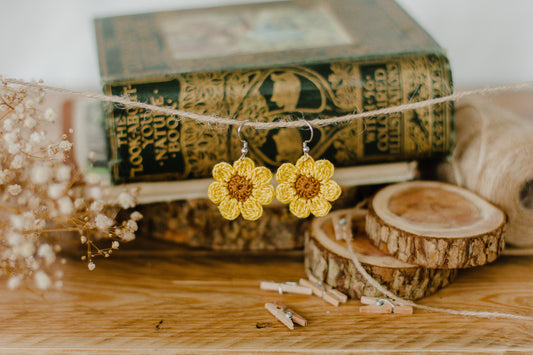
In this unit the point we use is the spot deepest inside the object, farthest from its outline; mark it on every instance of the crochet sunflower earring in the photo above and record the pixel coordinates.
(242, 188)
(307, 186)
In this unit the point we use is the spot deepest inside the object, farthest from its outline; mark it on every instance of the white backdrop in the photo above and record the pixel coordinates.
(488, 41)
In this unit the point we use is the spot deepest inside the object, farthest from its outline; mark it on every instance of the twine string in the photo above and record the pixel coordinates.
(482, 154)
(401, 301)
(215, 120)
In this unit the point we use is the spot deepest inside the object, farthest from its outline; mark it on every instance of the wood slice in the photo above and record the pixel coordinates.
(328, 259)
(435, 225)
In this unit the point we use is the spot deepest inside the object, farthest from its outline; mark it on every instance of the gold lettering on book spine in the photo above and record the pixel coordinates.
(417, 87)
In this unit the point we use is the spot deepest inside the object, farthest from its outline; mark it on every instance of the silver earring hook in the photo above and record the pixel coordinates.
(244, 149)
(305, 148)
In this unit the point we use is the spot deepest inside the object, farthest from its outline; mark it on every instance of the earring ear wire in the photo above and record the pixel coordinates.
(305, 147)
(244, 149)
(307, 186)
(241, 188)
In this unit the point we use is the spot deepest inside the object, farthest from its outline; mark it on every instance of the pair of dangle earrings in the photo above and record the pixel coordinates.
(243, 188)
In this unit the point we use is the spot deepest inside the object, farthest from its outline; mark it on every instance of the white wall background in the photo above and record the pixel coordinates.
(488, 41)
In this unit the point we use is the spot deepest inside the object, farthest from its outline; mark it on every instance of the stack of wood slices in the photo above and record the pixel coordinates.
(413, 238)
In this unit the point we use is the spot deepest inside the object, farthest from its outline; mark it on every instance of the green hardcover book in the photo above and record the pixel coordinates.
(268, 62)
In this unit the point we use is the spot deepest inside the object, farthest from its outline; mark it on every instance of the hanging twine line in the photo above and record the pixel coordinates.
(212, 119)
(215, 120)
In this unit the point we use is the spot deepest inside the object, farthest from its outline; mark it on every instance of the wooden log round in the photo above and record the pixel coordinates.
(198, 223)
(435, 225)
(328, 259)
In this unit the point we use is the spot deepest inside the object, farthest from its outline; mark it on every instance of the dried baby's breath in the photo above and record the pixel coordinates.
(43, 197)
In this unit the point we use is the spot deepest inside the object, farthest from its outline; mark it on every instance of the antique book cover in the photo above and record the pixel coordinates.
(86, 118)
(268, 62)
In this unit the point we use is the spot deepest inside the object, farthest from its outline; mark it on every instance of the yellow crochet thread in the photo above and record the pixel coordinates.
(241, 189)
(307, 186)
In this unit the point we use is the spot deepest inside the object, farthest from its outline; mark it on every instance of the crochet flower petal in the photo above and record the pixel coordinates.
(217, 191)
(320, 207)
(222, 172)
(323, 169)
(286, 173)
(330, 190)
(300, 208)
(264, 194)
(261, 176)
(229, 208)
(251, 209)
(306, 165)
(285, 193)
(244, 167)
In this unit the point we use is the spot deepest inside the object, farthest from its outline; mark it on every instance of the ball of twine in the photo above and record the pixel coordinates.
(494, 158)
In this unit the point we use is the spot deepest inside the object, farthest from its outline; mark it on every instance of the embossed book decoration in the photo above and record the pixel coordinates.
(266, 62)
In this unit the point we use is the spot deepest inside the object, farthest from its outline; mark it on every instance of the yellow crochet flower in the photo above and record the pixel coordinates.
(307, 186)
(241, 188)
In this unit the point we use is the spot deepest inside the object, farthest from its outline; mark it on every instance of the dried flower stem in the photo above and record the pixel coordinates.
(55, 230)
(39, 201)
(10, 209)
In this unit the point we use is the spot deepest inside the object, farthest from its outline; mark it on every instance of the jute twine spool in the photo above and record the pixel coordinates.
(494, 157)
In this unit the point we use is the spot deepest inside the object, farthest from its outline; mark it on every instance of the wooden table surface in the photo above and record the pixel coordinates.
(166, 299)
(174, 300)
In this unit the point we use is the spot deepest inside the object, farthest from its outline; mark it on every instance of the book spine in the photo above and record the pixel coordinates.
(147, 146)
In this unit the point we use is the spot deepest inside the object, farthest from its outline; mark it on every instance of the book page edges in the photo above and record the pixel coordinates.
(168, 191)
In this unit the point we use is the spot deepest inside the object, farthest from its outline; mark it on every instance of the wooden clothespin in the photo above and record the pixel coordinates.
(319, 289)
(342, 226)
(295, 317)
(285, 315)
(288, 287)
(383, 305)
(336, 293)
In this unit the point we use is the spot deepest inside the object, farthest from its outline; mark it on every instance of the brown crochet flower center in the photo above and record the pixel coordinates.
(307, 187)
(240, 188)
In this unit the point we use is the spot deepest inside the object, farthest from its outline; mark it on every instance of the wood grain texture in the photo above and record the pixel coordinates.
(171, 300)
(329, 261)
(460, 229)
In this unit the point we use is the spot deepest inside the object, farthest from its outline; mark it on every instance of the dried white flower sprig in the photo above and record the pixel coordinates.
(41, 198)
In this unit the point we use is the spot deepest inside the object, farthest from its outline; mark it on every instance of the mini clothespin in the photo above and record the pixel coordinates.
(319, 289)
(383, 305)
(342, 226)
(288, 287)
(336, 293)
(295, 317)
(285, 315)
